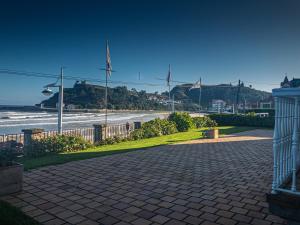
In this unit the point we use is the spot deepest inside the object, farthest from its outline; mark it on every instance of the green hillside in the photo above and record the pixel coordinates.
(224, 92)
(85, 95)
(90, 96)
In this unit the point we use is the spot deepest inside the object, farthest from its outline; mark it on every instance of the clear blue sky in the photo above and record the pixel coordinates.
(256, 41)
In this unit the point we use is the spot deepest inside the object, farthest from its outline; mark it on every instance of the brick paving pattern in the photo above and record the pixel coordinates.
(220, 181)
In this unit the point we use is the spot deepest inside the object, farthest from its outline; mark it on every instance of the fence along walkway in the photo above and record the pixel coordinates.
(88, 134)
(286, 148)
(117, 131)
(19, 138)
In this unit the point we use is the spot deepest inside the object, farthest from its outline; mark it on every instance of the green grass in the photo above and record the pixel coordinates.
(122, 147)
(10, 215)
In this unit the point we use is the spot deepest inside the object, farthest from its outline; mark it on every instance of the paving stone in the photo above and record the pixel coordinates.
(163, 211)
(108, 220)
(55, 221)
(44, 218)
(179, 208)
(75, 219)
(226, 221)
(133, 210)
(65, 214)
(239, 210)
(193, 220)
(145, 214)
(224, 213)
(260, 222)
(209, 209)
(95, 215)
(177, 215)
(151, 207)
(242, 218)
(160, 219)
(140, 221)
(223, 206)
(84, 211)
(175, 222)
(210, 217)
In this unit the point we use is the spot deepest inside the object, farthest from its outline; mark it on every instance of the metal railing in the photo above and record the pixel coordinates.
(19, 138)
(111, 131)
(86, 133)
(286, 149)
(118, 130)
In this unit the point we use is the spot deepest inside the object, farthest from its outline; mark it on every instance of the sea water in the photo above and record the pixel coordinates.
(12, 122)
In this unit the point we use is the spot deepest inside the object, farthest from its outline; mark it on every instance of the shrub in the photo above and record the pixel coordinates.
(204, 122)
(168, 127)
(112, 140)
(56, 144)
(137, 134)
(9, 152)
(154, 128)
(243, 120)
(7, 156)
(183, 121)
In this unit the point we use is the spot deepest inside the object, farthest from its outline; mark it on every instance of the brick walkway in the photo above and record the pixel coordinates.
(197, 182)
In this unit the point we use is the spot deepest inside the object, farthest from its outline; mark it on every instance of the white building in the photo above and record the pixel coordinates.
(71, 107)
(218, 105)
(266, 105)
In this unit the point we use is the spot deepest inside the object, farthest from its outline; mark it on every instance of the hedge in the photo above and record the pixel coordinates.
(243, 120)
(56, 144)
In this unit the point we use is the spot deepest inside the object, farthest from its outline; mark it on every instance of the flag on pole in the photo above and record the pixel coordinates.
(196, 85)
(108, 61)
(169, 76)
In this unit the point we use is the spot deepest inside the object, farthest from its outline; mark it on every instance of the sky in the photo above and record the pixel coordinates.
(220, 41)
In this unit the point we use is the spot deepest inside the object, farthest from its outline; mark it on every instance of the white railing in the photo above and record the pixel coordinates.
(19, 138)
(86, 133)
(286, 151)
(118, 130)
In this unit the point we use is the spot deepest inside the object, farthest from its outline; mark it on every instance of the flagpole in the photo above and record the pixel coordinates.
(106, 99)
(170, 106)
(173, 106)
(200, 93)
(107, 71)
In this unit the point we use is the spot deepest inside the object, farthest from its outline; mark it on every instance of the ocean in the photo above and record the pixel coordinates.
(12, 122)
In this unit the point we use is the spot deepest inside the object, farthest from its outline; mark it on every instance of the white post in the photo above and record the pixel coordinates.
(169, 80)
(295, 144)
(61, 101)
(275, 145)
(282, 116)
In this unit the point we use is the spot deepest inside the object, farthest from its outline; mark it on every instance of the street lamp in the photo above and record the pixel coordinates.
(47, 92)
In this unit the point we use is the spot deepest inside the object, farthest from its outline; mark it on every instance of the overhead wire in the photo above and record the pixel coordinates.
(80, 77)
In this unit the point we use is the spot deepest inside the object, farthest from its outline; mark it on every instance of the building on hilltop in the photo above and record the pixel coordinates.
(295, 82)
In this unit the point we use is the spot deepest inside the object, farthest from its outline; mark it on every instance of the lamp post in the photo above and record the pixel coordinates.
(47, 92)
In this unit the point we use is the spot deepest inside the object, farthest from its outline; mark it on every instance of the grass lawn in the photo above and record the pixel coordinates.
(122, 147)
(10, 215)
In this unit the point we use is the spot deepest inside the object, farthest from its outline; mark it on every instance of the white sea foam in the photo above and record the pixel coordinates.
(20, 120)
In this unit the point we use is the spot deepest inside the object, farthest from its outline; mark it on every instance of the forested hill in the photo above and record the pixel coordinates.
(224, 92)
(84, 95)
